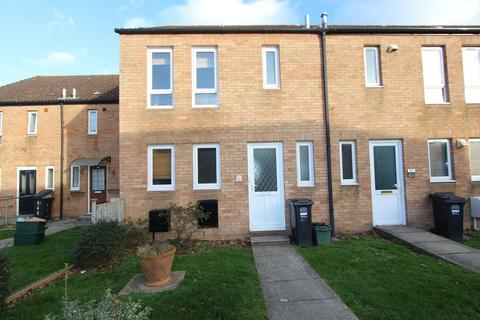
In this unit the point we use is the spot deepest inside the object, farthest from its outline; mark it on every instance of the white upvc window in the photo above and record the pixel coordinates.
(471, 74)
(348, 163)
(75, 178)
(32, 122)
(206, 166)
(440, 163)
(161, 167)
(204, 77)
(160, 78)
(434, 77)
(92, 121)
(474, 159)
(372, 67)
(50, 178)
(305, 165)
(271, 67)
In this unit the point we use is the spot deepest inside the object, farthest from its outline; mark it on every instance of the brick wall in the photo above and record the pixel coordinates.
(43, 149)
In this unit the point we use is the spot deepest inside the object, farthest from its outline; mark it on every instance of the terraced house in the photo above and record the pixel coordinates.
(59, 133)
(364, 120)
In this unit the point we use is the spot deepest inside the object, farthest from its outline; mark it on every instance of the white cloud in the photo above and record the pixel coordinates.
(136, 22)
(207, 12)
(408, 12)
(52, 59)
(60, 21)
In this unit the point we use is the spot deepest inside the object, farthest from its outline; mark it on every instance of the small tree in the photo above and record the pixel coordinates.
(185, 220)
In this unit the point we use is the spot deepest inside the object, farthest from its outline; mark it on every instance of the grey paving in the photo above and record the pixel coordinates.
(433, 245)
(52, 228)
(292, 289)
(137, 284)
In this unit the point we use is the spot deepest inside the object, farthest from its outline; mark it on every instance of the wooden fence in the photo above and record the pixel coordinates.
(109, 211)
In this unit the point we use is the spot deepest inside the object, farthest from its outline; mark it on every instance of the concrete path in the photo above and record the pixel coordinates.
(292, 289)
(433, 245)
(52, 228)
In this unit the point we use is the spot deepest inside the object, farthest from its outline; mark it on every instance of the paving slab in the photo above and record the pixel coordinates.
(434, 245)
(292, 289)
(137, 284)
(401, 229)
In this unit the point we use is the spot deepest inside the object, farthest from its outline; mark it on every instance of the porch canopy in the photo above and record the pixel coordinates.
(91, 161)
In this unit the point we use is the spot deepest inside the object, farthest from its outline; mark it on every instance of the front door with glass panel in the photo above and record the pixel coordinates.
(98, 184)
(27, 187)
(265, 183)
(388, 192)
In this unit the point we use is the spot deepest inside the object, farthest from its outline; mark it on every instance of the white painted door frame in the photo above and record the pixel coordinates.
(388, 205)
(266, 208)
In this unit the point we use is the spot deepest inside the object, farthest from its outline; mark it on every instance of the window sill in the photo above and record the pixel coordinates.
(160, 107)
(160, 190)
(475, 179)
(31, 134)
(444, 181)
(91, 134)
(305, 186)
(75, 190)
(199, 188)
(351, 184)
(473, 104)
(271, 88)
(204, 106)
(440, 104)
(374, 86)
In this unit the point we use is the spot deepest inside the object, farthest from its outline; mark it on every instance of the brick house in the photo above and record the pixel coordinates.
(36, 116)
(235, 114)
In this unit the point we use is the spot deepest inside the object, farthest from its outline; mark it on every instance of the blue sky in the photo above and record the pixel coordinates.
(48, 37)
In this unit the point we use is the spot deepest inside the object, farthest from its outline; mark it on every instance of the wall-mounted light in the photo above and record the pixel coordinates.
(392, 47)
(461, 143)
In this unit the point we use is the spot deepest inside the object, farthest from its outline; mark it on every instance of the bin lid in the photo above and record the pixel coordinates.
(301, 202)
(448, 197)
(44, 194)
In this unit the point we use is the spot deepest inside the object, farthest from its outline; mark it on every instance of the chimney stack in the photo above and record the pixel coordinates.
(307, 21)
(64, 93)
(324, 19)
(74, 93)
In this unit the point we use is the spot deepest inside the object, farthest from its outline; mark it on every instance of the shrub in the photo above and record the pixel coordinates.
(186, 223)
(108, 308)
(4, 277)
(158, 248)
(105, 243)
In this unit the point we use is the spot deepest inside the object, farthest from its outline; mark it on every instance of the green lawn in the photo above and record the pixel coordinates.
(378, 279)
(221, 283)
(473, 239)
(6, 232)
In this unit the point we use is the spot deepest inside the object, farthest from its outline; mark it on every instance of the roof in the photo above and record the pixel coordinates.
(48, 90)
(314, 29)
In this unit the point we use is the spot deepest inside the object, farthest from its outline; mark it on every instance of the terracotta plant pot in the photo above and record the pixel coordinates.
(157, 267)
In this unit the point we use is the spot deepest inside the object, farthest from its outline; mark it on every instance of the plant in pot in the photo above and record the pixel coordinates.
(156, 260)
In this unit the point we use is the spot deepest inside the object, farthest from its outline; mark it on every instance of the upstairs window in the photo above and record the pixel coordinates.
(160, 78)
(161, 168)
(434, 77)
(206, 166)
(271, 68)
(32, 122)
(475, 159)
(50, 178)
(305, 168)
(440, 162)
(471, 74)
(92, 121)
(205, 91)
(75, 178)
(372, 67)
(348, 166)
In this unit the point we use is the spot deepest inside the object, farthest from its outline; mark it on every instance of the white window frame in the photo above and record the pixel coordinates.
(311, 166)
(72, 187)
(276, 50)
(473, 177)
(47, 187)
(194, 77)
(471, 86)
(90, 131)
(151, 91)
(448, 178)
(353, 181)
(30, 113)
(377, 64)
(443, 85)
(206, 186)
(165, 187)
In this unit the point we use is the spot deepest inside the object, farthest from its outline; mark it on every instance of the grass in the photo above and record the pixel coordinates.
(6, 232)
(378, 279)
(221, 283)
(473, 239)
(31, 263)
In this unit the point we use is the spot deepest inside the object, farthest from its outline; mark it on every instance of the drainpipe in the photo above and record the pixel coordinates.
(61, 160)
(327, 123)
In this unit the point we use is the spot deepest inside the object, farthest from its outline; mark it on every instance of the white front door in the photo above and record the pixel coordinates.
(265, 185)
(388, 191)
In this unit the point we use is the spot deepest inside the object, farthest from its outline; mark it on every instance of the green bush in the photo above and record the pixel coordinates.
(108, 308)
(5, 277)
(186, 220)
(105, 243)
